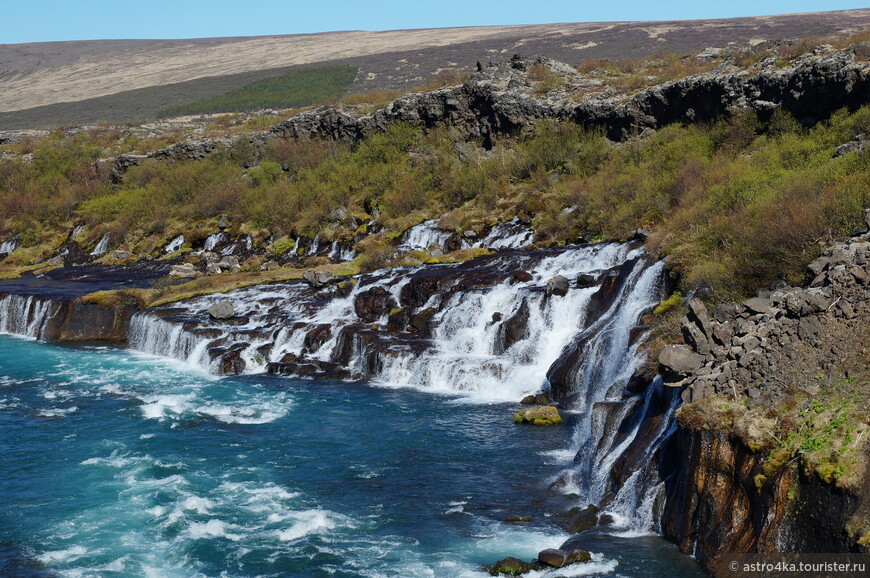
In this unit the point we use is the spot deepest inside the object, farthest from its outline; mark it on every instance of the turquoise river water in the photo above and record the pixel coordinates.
(114, 463)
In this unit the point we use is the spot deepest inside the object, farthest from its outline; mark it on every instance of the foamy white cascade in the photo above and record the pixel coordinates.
(175, 244)
(337, 254)
(464, 358)
(9, 245)
(511, 235)
(101, 247)
(25, 315)
(314, 247)
(214, 240)
(246, 243)
(421, 237)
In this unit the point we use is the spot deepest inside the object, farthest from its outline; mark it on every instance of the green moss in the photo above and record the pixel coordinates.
(675, 300)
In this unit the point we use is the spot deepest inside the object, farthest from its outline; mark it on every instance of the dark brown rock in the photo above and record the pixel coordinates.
(579, 519)
(371, 304)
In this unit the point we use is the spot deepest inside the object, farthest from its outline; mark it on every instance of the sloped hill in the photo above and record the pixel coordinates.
(46, 84)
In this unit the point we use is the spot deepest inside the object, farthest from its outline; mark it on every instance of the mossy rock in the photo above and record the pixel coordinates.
(510, 566)
(539, 415)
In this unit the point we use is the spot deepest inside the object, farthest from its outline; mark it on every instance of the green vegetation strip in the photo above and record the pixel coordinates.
(302, 87)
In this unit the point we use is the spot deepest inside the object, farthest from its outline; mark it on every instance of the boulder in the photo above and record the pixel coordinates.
(318, 278)
(183, 271)
(867, 217)
(371, 304)
(680, 359)
(510, 566)
(228, 262)
(557, 285)
(539, 398)
(585, 280)
(561, 558)
(513, 329)
(539, 415)
(420, 319)
(399, 318)
(579, 519)
(758, 305)
(222, 310)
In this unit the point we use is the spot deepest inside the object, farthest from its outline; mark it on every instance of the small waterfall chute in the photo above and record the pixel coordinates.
(102, 246)
(25, 315)
(174, 245)
(10, 245)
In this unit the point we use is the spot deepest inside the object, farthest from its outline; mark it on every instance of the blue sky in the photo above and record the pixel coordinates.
(50, 20)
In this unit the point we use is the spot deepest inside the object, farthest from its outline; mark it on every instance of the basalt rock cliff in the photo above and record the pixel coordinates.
(505, 98)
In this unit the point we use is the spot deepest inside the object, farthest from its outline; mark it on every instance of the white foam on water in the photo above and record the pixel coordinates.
(213, 529)
(57, 411)
(197, 504)
(163, 406)
(497, 540)
(307, 523)
(63, 556)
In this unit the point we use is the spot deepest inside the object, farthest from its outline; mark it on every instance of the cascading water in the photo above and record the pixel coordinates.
(499, 342)
(10, 245)
(101, 247)
(175, 244)
(421, 237)
(214, 240)
(339, 254)
(513, 234)
(25, 315)
(247, 243)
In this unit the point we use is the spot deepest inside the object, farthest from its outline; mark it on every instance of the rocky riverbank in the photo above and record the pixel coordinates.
(772, 452)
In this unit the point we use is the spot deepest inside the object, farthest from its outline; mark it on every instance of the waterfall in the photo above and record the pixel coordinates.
(513, 234)
(314, 247)
(175, 244)
(101, 247)
(469, 352)
(10, 245)
(493, 337)
(157, 336)
(421, 237)
(25, 315)
(214, 240)
(339, 254)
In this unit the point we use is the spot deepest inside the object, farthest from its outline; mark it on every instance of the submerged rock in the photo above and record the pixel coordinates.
(540, 415)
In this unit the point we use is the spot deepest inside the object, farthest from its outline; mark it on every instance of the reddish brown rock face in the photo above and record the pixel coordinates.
(714, 506)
